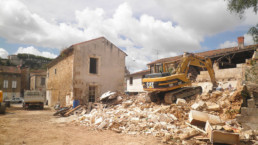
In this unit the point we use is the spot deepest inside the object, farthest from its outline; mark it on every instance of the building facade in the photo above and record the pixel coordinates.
(134, 81)
(10, 81)
(84, 71)
(38, 81)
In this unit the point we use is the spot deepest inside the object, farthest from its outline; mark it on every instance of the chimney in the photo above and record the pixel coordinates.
(241, 42)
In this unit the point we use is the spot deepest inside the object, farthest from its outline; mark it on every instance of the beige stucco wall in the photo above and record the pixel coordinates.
(32, 83)
(35, 83)
(137, 84)
(111, 68)
(60, 84)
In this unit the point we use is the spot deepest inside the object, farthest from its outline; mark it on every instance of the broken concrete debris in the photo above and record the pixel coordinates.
(210, 116)
(199, 118)
(218, 136)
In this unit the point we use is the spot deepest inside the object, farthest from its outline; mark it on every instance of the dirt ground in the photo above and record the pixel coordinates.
(36, 127)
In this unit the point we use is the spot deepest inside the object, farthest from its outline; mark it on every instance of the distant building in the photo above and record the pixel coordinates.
(14, 60)
(134, 81)
(38, 80)
(25, 80)
(10, 81)
(84, 71)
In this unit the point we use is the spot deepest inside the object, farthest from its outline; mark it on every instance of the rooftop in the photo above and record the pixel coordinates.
(141, 72)
(66, 52)
(10, 69)
(210, 54)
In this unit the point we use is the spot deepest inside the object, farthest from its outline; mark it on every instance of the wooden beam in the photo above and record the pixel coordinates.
(71, 111)
(195, 127)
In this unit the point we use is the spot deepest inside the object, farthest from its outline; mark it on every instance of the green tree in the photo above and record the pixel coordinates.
(1, 63)
(254, 32)
(239, 6)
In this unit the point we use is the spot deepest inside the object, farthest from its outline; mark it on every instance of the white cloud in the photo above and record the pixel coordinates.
(248, 40)
(168, 27)
(3, 53)
(202, 17)
(34, 51)
(141, 38)
(228, 44)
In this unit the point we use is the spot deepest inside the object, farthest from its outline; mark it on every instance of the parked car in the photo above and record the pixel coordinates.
(16, 100)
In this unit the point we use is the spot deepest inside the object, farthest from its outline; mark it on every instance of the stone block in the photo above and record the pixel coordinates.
(180, 102)
(213, 107)
(245, 111)
(251, 103)
(199, 118)
(247, 119)
(217, 136)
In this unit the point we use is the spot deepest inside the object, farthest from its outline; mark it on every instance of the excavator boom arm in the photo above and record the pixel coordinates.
(199, 61)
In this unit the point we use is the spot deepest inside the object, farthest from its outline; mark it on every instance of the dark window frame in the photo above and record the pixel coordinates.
(93, 65)
(41, 82)
(131, 80)
(92, 93)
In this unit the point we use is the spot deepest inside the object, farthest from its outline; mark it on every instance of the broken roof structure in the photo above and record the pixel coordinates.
(228, 56)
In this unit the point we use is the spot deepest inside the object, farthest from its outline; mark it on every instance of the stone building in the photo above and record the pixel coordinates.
(84, 71)
(38, 80)
(10, 81)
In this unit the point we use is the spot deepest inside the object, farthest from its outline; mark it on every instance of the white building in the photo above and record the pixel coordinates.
(134, 81)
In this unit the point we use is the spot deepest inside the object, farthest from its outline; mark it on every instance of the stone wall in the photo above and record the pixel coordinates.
(110, 68)
(223, 74)
(59, 81)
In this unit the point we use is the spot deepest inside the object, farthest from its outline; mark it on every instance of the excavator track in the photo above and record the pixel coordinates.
(171, 97)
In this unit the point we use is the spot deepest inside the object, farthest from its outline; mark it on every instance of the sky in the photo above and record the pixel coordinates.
(146, 30)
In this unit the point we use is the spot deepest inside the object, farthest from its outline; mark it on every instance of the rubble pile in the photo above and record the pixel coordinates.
(136, 117)
(225, 104)
(198, 119)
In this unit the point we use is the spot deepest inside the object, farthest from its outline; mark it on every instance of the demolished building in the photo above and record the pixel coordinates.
(84, 71)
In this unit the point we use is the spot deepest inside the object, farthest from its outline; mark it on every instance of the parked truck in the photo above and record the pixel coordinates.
(33, 98)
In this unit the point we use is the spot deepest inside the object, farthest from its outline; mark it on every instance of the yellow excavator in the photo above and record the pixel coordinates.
(177, 85)
(2, 104)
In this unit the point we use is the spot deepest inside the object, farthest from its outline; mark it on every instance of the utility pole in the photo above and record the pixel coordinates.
(157, 54)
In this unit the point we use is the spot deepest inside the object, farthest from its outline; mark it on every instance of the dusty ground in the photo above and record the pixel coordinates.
(33, 127)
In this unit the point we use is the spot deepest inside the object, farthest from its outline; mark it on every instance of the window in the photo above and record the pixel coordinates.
(92, 93)
(55, 70)
(43, 81)
(14, 83)
(131, 80)
(93, 65)
(5, 83)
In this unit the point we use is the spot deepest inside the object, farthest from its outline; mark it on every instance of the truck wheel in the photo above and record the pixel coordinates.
(2, 109)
